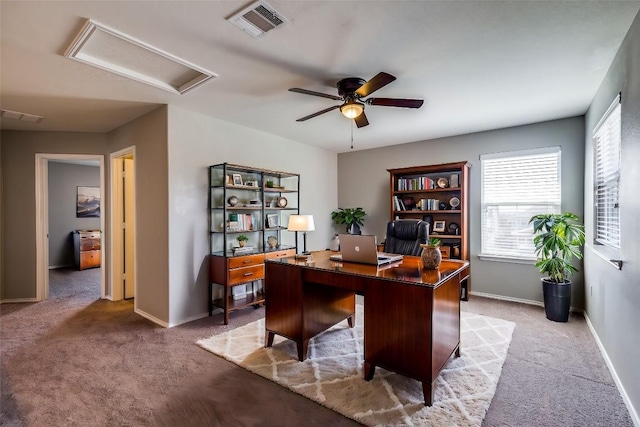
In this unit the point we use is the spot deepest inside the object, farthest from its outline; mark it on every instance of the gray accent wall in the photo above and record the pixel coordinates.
(64, 180)
(363, 181)
(613, 296)
(196, 142)
(19, 203)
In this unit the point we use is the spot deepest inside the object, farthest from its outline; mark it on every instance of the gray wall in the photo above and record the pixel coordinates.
(613, 296)
(64, 179)
(149, 135)
(19, 203)
(364, 181)
(196, 142)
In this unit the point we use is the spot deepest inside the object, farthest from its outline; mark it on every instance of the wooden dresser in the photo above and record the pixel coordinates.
(86, 248)
(239, 270)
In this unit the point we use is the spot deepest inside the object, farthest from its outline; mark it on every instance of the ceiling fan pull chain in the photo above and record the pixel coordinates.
(351, 134)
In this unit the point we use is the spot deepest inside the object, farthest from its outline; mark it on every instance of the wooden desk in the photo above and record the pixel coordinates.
(411, 316)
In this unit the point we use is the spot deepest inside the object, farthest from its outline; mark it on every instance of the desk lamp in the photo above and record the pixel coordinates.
(302, 223)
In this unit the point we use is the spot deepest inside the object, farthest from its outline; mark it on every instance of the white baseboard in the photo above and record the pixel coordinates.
(150, 317)
(520, 300)
(189, 319)
(625, 397)
(14, 300)
(53, 267)
(503, 298)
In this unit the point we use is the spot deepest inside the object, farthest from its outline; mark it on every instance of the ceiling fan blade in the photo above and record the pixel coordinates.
(311, 116)
(380, 80)
(361, 120)
(310, 92)
(396, 102)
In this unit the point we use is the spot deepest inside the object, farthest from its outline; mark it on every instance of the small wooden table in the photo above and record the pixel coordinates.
(411, 315)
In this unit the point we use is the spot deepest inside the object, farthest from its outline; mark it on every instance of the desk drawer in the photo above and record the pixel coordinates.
(89, 259)
(89, 244)
(245, 274)
(280, 254)
(246, 261)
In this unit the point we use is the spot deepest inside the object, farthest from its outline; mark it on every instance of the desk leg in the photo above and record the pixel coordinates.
(303, 346)
(457, 353)
(268, 338)
(351, 320)
(428, 389)
(369, 370)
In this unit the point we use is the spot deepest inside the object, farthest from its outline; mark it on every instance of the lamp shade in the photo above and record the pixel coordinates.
(301, 223)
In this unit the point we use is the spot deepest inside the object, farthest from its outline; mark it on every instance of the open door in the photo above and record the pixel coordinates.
(123, 223)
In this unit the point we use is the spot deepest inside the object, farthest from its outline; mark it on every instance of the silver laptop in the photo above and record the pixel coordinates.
(362, 249)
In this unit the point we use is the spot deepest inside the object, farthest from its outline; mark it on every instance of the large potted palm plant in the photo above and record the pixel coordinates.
(352, 217)
(558, 241)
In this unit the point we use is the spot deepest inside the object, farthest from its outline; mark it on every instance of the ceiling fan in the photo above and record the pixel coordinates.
(352, 90)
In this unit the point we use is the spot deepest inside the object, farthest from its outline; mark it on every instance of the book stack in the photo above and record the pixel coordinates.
(240, 222)
(243, 249)
(415, 183)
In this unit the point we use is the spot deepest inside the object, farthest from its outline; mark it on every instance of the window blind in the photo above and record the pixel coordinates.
(515, 187)
(606, 146)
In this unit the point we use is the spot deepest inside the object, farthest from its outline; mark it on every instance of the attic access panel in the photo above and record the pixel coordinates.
(103, 47)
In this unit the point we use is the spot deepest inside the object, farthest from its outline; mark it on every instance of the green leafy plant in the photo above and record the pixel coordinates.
(558, 239)
(270, 183)
(433, 241)
(348, 216)
(242, 238)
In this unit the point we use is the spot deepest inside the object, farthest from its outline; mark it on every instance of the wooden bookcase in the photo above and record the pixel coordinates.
(438, 194)
(256, 203)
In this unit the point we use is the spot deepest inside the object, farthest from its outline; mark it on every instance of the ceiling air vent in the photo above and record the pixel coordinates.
(258, 19)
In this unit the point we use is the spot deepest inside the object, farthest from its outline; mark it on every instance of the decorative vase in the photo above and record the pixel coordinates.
(241, 243)
(272, 241)
(431, 257)
(353, 229)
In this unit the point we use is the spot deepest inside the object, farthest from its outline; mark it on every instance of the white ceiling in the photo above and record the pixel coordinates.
(478, 65)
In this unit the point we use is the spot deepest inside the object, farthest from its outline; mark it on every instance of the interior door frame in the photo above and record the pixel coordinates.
(116, 238)
(42, 219)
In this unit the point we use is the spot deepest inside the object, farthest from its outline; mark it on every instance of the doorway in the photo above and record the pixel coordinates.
(123, 224)
(42, 217)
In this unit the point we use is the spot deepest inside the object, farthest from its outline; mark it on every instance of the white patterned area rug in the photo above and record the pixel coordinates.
(332, 374)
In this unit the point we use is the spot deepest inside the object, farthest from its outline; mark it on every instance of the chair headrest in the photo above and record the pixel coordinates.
(408, 229)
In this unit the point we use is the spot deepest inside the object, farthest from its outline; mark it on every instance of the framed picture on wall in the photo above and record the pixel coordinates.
(88, 202)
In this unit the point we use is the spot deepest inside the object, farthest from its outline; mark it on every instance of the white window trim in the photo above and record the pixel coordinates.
(518, 153)
(603, 249)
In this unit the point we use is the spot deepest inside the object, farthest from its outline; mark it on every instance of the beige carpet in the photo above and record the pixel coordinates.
(332, 374)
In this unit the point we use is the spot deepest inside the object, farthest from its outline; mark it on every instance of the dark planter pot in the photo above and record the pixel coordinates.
(353, 229)
(557, 300)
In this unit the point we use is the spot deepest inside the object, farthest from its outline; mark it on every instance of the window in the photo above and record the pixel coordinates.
(515, 187)
(606, 176)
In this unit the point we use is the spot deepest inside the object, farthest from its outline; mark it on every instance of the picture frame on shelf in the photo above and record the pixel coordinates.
(237, 179)
(273, 221)
(439, 226)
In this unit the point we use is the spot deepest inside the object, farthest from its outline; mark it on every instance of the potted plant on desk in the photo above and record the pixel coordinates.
(352, 217)
(558, 239)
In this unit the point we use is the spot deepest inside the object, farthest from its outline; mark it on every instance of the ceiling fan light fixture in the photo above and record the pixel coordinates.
(351, 109)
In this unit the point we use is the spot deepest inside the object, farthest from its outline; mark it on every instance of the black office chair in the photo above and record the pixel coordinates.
(405, 236)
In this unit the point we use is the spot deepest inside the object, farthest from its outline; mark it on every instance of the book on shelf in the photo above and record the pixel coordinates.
(238, 249)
